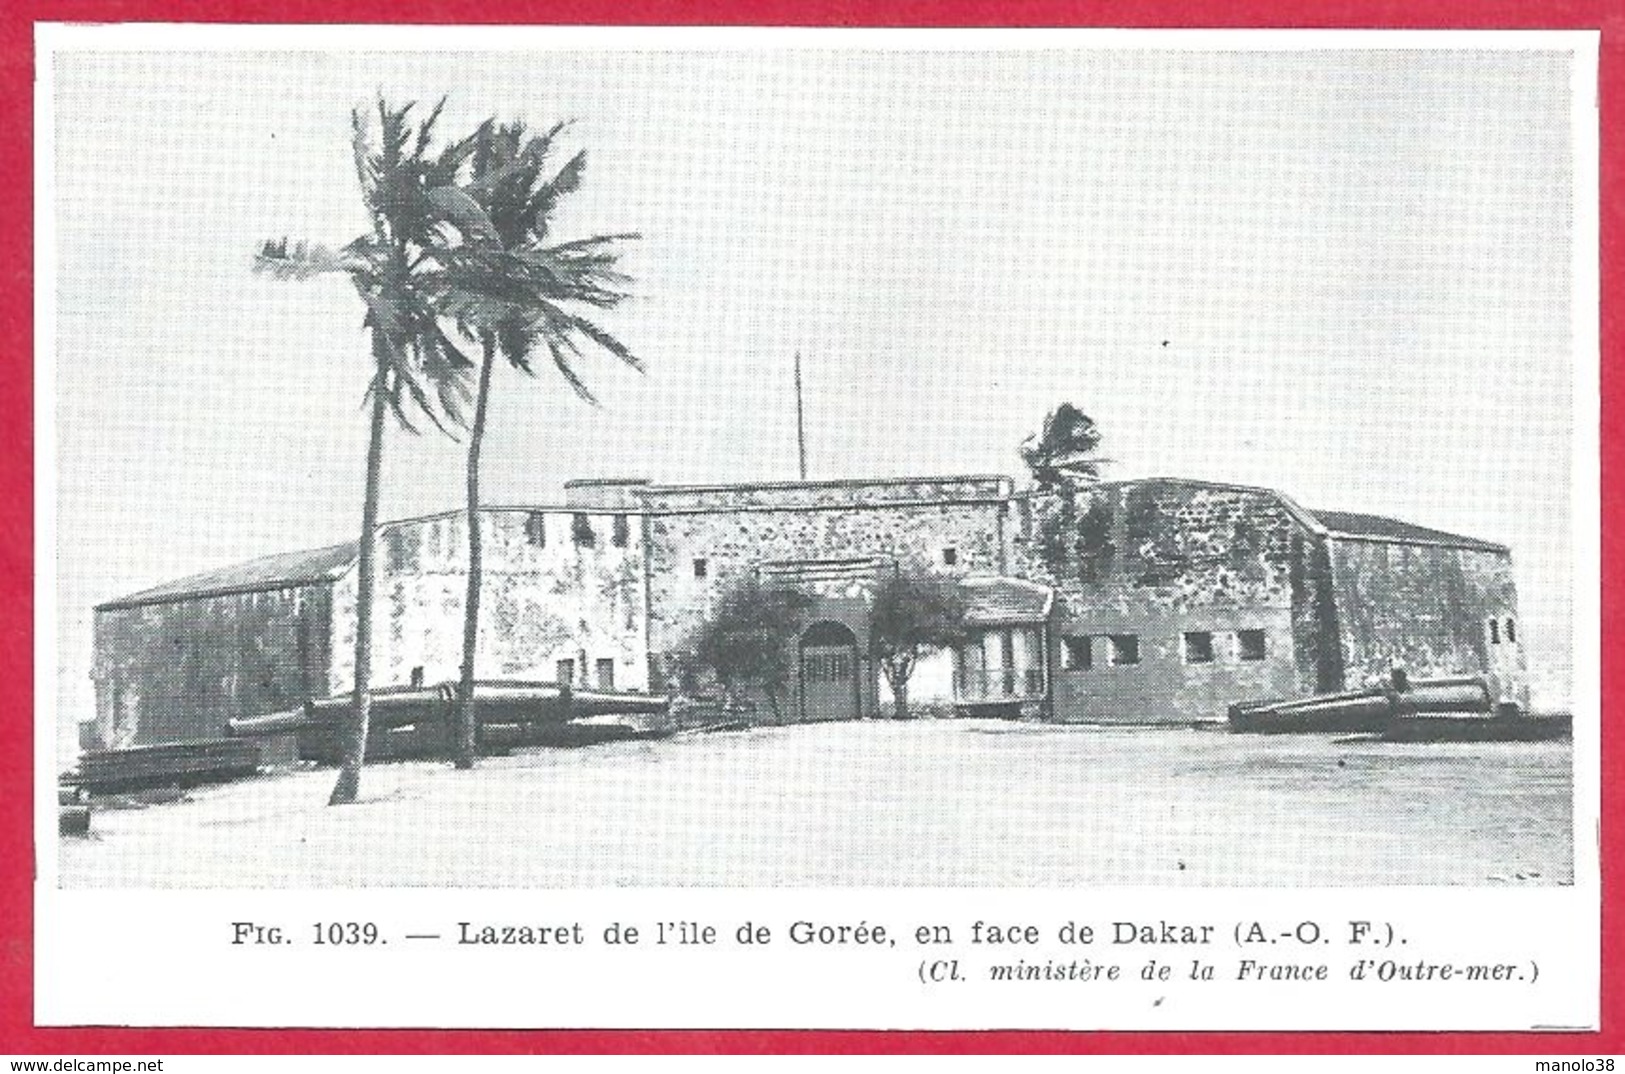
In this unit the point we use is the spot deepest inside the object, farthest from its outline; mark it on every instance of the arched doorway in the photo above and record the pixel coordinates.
(829, 673)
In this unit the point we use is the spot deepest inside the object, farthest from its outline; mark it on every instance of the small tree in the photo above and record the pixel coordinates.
(914, 613)
(749, 639)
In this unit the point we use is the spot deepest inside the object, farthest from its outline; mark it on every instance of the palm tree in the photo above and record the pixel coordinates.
(518, 296)
(1064, 452)
(399, 270)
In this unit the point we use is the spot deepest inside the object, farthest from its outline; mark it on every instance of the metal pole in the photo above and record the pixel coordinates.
(801, 428)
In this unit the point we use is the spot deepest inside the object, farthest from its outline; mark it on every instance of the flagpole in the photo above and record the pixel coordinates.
(801, 428)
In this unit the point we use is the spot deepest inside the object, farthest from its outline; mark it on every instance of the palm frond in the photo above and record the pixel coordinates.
(608, 342)
(560, 349)
(284, 259)
(545, 198)
(365, 173)
(413, 387)
(458, 208)
(426, 128)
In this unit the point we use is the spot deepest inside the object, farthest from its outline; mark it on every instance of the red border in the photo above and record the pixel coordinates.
(17, 1031)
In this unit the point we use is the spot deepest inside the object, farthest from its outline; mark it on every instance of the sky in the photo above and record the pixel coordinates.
(1345, 274)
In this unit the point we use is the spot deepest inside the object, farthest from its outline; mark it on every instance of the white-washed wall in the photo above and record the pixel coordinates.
(547, 596)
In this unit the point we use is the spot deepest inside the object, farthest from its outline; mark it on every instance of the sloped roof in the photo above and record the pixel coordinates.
(1377, 528)
(268, 572)
(993, 601)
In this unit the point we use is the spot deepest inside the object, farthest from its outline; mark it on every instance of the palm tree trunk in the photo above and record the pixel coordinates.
(355, 754)
(899, 693)
(467, 713)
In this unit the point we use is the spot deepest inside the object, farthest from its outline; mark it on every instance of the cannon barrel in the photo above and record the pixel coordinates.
(1463, 695)
(496, 703)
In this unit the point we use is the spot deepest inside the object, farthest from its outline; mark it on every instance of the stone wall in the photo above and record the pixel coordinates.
(1227, 593)
(559, 585)
(817, 495)
(1428, 609)
(605, 493)
(733, 542)
(1156, 560)
(177, 671)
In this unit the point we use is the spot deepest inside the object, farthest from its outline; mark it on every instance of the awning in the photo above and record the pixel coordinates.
(1003, 601)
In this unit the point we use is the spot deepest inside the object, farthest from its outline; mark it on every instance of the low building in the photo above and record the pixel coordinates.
(1158, 600)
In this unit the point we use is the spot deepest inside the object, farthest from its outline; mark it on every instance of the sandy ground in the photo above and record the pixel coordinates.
(949, 803)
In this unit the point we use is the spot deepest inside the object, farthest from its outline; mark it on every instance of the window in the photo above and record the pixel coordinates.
(620, 533)
(536, 529)
(950, 556)
(701, 567)
(1077, 653)
(1512, 632)
(606, 673)
(566, 673)
(1125, 648)
(1495, 632)
(1250, 645)
(1198, 647)
(581, 530)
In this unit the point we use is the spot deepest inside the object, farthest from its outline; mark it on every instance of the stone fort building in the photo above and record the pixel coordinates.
(1159, 600)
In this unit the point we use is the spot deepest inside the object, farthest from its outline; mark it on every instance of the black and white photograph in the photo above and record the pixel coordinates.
(818, 528)
(819, 466)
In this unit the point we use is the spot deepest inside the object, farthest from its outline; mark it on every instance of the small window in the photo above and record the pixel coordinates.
(1125, 648)
(950, 556)
(621, 531)
(1077, 653)
(1250, 645)
(701, 568)
(1198, 647)
(605, 668)
(1512, 632)
(565, 675)
(1495, 632)
(536, 529)
(581, 530)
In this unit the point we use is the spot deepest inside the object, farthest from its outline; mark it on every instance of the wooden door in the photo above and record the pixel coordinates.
(829, 673)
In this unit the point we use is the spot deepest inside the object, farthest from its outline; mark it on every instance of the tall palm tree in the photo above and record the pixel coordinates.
(398, 269)
(518, 296)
